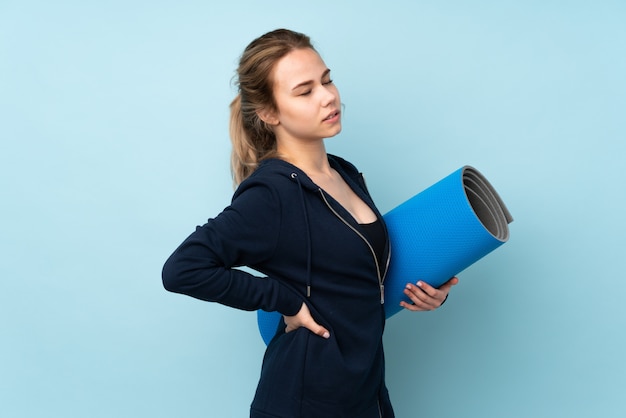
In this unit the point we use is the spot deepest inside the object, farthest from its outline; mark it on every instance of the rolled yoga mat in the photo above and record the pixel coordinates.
(434, 235)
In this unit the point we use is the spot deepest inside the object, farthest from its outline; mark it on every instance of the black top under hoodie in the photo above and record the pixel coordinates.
(311, 250)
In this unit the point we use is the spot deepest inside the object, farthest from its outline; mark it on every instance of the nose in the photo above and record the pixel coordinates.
(330, 95)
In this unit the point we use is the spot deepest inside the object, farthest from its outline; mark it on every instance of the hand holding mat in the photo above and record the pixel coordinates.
(434, 236)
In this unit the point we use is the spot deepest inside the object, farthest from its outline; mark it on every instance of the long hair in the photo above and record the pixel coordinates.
(252, 139)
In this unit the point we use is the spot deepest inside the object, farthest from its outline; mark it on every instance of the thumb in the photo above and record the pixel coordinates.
(309, 323)
(317, 329)
(447, 285)
(321, 331)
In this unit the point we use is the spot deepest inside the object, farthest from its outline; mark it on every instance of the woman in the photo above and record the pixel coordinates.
(306, 221)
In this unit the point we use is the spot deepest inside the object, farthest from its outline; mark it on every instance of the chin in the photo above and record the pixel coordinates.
(335, 132)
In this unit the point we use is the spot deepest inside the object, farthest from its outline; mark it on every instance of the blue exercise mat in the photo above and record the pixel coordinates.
(434, 235)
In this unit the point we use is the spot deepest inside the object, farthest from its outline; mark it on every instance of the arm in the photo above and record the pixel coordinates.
(245, 233)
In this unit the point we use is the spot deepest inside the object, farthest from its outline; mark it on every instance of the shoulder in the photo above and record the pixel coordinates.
(348, 171)
(343, 164)
(283, 178)
(273, 176)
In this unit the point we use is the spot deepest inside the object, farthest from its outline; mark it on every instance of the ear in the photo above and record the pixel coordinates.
(268, 116)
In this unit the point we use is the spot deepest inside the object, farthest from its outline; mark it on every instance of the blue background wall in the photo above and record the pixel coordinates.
(114, 145)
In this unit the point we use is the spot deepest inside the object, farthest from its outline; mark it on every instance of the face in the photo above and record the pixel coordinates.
(307, 100)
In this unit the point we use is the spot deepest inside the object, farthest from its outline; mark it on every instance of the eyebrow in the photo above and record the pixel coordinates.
(306, 83)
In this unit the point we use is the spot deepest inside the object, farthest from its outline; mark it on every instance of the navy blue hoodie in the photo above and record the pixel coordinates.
(308, 249)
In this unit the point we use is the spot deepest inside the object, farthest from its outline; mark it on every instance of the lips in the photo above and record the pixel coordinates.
(331, 115)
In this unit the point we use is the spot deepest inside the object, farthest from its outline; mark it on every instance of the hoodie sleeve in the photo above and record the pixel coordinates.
(244, 234)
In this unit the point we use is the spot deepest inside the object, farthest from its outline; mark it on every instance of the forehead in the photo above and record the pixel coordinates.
(298, 66)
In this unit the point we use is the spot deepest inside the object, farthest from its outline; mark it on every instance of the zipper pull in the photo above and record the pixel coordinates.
(382, 294)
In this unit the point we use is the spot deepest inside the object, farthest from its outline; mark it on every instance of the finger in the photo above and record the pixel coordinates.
(311, 325)
(417, 306)
(428, 289)
(410, 307)
(447, 285)
(317, 329)
(421, 301)
(422, 292)
(323, 332)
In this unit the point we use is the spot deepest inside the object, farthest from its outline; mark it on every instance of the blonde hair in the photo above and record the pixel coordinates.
(252, 139)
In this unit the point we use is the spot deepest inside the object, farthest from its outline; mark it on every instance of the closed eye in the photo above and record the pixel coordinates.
(307, 92)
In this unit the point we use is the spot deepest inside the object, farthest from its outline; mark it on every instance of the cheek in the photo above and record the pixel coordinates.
(296, 112)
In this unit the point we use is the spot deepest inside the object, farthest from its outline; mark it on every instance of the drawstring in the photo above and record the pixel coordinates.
(308, 236)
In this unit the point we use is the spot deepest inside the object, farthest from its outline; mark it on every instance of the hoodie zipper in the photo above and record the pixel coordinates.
(380, 278)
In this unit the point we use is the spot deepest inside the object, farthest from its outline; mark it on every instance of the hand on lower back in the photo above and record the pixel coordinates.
(303, 319)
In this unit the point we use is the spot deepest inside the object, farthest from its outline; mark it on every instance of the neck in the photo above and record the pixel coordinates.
(309, 157)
